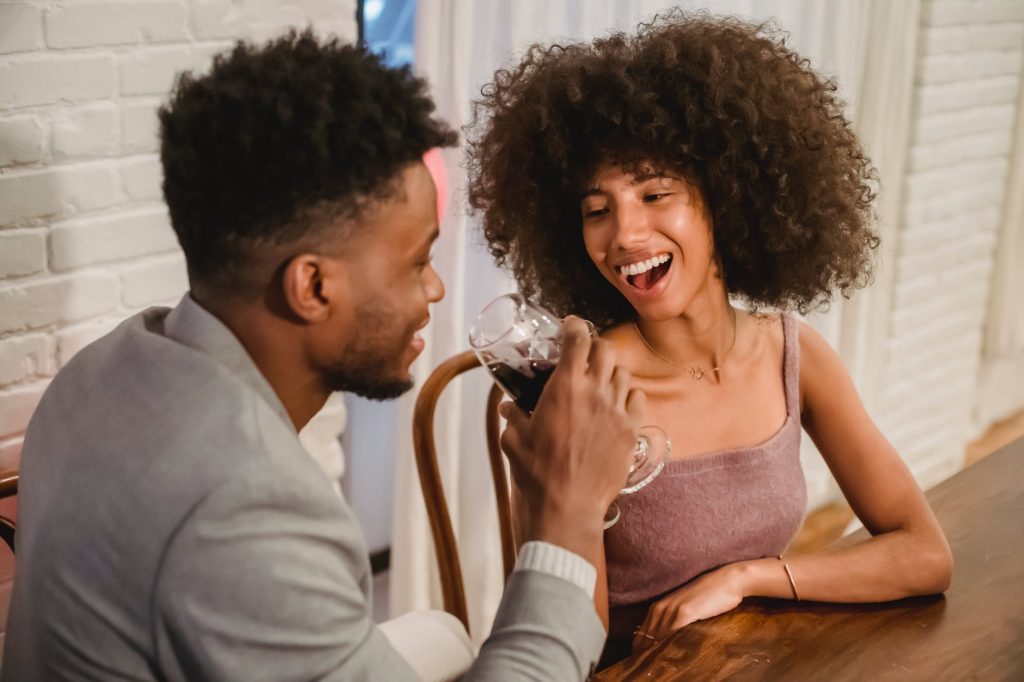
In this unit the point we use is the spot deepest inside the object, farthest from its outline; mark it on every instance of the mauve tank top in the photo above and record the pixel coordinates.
(710, 510)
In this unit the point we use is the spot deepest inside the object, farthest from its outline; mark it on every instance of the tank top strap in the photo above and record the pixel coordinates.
(791, 363)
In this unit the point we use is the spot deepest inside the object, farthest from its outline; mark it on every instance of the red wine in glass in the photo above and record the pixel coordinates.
(520, 344)
(524, 387)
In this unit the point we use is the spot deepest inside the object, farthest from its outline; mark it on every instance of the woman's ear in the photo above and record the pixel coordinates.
(304, 287)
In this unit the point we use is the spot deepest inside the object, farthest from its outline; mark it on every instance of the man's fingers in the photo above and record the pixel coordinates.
(575, 344)
(515, 416)
(636, 403)
(602, 360)
(621, 379)
(511, 444)
(517, 419)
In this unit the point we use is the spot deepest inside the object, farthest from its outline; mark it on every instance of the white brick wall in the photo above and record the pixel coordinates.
(84, 236)
(89, 131)
(107, 23)
(46, 77)
(23, 28)
(969, 75)
(24, 252)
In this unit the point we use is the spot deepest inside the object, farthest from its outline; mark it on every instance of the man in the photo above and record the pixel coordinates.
(171, 525)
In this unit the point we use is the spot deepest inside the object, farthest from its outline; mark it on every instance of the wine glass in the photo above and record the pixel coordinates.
(520, 343)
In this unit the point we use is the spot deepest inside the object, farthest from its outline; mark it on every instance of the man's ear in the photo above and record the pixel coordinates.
(311, 285)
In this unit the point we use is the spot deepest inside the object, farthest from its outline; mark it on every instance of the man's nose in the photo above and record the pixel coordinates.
(434, 286)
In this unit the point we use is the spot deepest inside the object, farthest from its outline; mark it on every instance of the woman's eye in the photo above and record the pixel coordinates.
(649, 198)
(595, 212)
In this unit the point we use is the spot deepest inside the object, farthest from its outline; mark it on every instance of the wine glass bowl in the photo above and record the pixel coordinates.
(520, 343)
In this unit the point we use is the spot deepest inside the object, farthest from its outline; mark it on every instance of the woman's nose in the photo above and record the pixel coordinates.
(632, 228)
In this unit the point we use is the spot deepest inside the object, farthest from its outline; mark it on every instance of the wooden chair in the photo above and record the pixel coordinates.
(452, 586)
(8, 488)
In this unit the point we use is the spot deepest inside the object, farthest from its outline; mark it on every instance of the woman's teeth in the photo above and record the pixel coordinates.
(643, 266)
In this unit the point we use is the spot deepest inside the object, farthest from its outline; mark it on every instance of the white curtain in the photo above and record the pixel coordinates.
(459, 45)
(882, 109)
(1001, 385)
(876, 72)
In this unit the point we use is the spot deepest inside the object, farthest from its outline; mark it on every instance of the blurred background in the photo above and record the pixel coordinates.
(936, 345)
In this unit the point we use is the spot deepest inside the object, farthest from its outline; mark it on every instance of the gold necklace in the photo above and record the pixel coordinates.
(695, 371)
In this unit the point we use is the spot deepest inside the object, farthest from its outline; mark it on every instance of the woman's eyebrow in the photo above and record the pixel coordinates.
(636, 180)
(653, 175)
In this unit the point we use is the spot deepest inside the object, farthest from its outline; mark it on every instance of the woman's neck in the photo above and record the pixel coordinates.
(703, 335)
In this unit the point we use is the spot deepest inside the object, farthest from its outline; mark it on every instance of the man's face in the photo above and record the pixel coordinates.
(392, 280)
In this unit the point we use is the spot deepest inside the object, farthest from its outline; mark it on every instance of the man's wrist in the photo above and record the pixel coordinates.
(582, 534)
(559, 562)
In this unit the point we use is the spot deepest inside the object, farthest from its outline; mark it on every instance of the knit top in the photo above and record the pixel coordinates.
(710, 510)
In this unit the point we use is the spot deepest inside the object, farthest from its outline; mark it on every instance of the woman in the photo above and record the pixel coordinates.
(647, 183)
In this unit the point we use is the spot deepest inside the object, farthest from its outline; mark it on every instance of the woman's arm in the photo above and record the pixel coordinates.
(908, 553)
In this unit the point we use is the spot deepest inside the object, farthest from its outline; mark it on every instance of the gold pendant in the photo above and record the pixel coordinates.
(696, 372)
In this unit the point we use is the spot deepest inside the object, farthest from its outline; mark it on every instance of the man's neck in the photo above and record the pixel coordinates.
(275, 348)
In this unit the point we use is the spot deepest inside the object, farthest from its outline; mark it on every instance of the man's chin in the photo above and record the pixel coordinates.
(375, 388)
(385, 390)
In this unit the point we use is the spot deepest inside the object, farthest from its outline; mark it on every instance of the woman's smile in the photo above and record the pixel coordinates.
(646, 279)
(638, 228)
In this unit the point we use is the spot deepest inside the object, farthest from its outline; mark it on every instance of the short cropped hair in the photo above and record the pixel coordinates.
(279, 139)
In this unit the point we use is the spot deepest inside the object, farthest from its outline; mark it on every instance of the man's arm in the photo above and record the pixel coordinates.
(546, 627)
(266, 578)
(568, 461)
(263, 581)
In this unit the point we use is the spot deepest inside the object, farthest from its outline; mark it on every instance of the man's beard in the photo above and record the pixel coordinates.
(373, 353)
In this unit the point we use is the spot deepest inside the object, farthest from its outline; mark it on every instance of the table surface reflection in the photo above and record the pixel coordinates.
(974, 632)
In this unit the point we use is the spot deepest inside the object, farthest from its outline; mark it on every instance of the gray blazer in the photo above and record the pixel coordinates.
(171, 527)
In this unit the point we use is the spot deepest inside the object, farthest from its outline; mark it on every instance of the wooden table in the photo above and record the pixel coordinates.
(974, 632)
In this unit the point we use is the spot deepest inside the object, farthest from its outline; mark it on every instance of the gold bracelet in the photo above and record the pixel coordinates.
(789, 574)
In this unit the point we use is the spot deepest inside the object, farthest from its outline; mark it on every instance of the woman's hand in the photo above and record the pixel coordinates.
(711, 594)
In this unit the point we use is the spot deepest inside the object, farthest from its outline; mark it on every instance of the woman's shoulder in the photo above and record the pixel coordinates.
(766, 333)
(815, 351)
(822, 371)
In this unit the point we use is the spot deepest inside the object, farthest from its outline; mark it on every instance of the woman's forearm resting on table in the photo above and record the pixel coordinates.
(889, 566)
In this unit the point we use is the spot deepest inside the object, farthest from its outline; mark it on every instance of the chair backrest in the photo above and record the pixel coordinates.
(8, 488)
(452, 586)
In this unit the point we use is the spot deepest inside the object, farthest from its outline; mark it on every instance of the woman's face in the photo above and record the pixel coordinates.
(650, 236)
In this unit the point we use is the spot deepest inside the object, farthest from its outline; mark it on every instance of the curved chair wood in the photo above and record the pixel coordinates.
(8, 488)
(452, 586)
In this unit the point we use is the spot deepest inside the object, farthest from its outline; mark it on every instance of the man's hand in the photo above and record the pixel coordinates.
(570, 458)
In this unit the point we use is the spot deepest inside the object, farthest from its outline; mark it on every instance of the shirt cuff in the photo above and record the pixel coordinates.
(559, 562)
